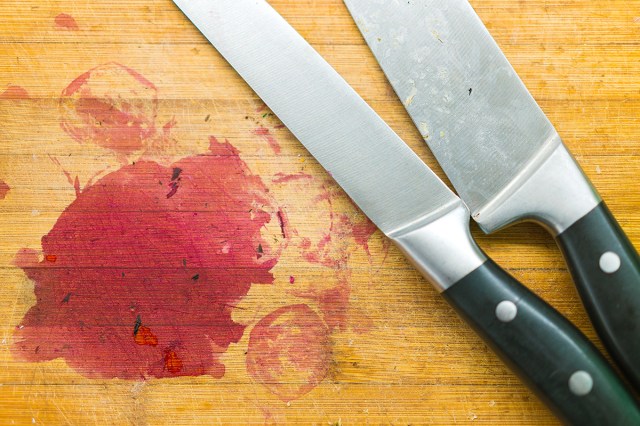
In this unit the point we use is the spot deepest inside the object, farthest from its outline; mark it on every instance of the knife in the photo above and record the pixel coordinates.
(502, 154)
(406, 200)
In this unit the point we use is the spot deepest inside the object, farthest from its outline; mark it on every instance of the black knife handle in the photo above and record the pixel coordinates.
(606, 269)
(543, 348)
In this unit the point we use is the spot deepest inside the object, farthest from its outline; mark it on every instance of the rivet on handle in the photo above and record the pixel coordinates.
(506, 311)
(609, 262)
(580, 383)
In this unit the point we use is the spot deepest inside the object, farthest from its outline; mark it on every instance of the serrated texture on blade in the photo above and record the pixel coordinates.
(387, 180)
(472, 109)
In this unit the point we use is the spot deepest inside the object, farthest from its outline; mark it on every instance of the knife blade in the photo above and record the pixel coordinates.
(502, 154)
(405, 199)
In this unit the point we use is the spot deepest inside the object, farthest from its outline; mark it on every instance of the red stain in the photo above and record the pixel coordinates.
(112, 106)
(332, 302)
(292, 279)
(284, 178)
(144, 336)
(289, 351)
(4, 189)
(172, 362)
(267, 136)
(127, 258)
(361, 230)
(168, 127)
(66, 22)
(333, 249)
(14, 92)
(75, 182)
(51, 258)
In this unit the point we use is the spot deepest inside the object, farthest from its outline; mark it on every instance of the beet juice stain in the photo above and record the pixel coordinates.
(15, 93)
(65, 21)
(289, 351)
(149, 262)
(139, 276)
(112, 106)
(4, 189)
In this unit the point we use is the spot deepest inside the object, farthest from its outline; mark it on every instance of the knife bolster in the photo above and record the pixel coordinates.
(443, 249)
(553, 192)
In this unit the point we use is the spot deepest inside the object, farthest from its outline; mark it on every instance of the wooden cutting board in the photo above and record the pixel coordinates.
(169, 254)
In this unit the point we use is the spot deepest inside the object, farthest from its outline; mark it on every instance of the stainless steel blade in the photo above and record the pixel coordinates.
(472, 109)
(387, 180)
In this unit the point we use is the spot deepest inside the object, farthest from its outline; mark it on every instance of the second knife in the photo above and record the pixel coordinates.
(502, 154)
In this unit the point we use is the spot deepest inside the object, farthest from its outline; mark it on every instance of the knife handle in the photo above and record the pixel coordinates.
(541, 346)
(606, 269)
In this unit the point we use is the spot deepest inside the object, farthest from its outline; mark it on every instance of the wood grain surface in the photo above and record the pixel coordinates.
(366, 339)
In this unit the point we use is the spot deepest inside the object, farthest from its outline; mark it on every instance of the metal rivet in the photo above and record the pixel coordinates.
(506, 311)
(609, 262)
(580, 383)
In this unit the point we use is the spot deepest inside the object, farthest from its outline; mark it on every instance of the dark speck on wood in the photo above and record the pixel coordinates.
(176, 173)
(137, 325)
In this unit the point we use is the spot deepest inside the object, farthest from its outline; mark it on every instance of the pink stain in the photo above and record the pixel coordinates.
(168, 127)
(112, 106)
(362, 229)
(333, 302)
(133, 284)
(289, 351)
(14, 92)
(333, 249)
(267, 136)
(75, 182)
(66, 22)
(284, 178)
(140, 275)
(4, 189)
